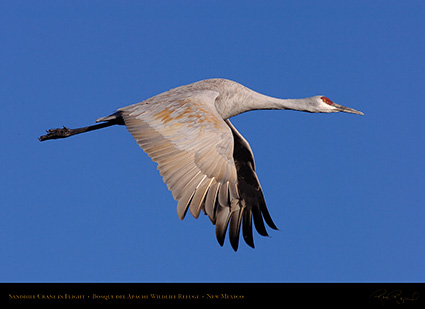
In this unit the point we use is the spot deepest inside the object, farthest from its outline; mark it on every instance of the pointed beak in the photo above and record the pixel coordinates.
(344, 109)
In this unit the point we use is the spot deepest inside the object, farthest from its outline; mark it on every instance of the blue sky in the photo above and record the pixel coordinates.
(347, 192)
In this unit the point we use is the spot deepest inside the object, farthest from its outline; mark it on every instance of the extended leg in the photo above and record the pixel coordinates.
(65, 132)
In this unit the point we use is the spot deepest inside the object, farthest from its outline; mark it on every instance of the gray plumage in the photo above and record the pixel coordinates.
(205, 162)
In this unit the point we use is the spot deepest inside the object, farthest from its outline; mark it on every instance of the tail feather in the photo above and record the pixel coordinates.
(115, 116)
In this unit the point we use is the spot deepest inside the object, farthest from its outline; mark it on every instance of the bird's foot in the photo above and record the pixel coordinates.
(56, 133)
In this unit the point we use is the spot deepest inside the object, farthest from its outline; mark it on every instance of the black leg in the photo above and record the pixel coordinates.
(65, 132)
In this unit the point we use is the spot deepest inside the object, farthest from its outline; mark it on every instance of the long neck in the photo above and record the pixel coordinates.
(245, 99)
(261, 101)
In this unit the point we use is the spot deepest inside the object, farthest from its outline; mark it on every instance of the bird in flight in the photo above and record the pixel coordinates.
(204, 161)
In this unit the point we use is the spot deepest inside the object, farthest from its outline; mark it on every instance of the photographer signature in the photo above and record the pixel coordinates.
(395, 296)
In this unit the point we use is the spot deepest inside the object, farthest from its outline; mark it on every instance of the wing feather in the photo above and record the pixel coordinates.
(199, 197)
(223, 216)
(235, 225)
(203, 159)
(223, 195)
(210, 200)
(247, 228)
(250, 192)
(182, 204)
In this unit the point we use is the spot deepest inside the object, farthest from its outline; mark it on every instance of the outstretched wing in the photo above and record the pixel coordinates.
(194, 149)
(253, 205)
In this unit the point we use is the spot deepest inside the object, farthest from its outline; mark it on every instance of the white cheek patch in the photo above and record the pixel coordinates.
(328, 106)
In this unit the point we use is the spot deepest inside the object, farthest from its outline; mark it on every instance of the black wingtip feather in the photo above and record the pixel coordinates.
(234, 228)
(222, 221)
(247, 227)
(253, 209)
(265, 213)
(258, 220)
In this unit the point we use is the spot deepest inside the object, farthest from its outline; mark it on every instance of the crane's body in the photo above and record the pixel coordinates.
(205, 162)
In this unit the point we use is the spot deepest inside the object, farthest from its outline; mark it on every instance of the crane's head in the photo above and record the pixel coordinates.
(323, 105)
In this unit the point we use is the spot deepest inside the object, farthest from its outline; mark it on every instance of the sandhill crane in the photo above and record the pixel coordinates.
(205, 162)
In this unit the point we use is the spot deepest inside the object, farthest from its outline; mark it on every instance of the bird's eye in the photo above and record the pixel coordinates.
(327, 101)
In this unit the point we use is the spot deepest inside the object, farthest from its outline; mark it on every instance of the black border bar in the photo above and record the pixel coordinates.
(381, 294)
